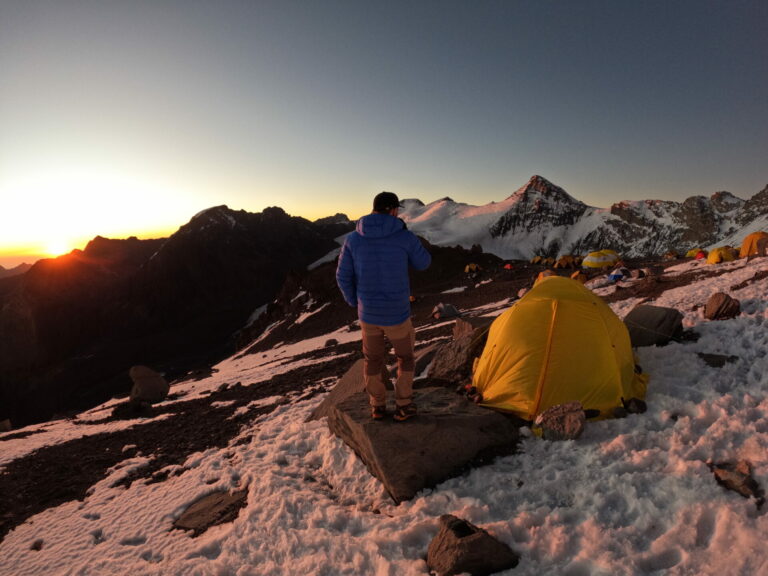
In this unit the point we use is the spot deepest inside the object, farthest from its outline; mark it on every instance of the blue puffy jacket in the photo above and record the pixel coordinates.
(373, 269)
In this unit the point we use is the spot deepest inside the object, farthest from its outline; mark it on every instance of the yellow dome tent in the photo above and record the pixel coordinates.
(749, 247)
(721, 254)
(600, 259)
(559, 343)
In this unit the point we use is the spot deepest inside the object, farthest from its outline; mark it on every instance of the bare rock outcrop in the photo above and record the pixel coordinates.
(453, 360)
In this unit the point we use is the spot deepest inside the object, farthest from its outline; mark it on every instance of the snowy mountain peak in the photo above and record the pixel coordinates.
(537, 208)
(541, 218)
(540, 186)
(215, 216)
(725, 202)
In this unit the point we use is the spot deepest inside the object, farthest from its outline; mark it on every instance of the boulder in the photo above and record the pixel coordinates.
(462, 548)
(210, 510)
(720, 306)
(653, 325)
(5, 425)
(449, 435)
(148, 385)
(470, 325)
(453, 361)
(562, 422)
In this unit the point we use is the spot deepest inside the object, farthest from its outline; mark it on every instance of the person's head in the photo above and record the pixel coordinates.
(386, 203)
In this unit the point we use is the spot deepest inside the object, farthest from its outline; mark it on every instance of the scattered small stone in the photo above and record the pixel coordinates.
(737, 476)
(37, 545)
(716, 360)
(461, 547)
(635, 406)
(211, 510)
(562, 422)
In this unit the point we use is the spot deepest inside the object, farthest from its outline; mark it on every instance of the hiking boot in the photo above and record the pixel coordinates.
(378, 412)
(404, 412)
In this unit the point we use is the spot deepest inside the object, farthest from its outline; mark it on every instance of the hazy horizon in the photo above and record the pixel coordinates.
(11, 260)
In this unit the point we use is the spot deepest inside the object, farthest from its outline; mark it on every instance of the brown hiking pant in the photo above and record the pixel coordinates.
(402, 337)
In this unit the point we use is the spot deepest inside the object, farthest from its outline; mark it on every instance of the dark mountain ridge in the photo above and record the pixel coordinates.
(71, 326)
(15, 271)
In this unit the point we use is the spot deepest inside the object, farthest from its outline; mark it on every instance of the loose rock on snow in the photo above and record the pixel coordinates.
(461, 547)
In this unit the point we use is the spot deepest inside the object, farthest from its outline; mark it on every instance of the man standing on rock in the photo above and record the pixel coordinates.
(373, 276)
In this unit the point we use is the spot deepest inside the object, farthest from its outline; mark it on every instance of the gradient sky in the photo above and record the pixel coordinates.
(126, 118)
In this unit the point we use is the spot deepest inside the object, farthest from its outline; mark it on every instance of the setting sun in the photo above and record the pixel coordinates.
(57, 247)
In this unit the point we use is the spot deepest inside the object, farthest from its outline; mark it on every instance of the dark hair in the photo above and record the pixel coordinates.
(385, 201)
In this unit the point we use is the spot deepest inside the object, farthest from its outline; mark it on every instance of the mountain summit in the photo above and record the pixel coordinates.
(538, 206)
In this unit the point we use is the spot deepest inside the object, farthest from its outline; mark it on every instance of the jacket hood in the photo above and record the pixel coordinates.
(378, 225)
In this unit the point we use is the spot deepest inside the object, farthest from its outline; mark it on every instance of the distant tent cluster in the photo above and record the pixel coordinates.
(697, 253)
(755, 244)
(543, 261)
(565, 261)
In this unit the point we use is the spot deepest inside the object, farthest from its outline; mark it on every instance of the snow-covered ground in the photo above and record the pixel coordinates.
(631, 496)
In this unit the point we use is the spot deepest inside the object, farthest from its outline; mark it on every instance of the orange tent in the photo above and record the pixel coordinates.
(752, 244)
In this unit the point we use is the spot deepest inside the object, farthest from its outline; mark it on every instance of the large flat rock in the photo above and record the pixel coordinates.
(449, 436)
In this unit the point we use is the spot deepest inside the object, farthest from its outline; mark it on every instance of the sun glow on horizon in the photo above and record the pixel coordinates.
(51, 215)
(58, 246)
